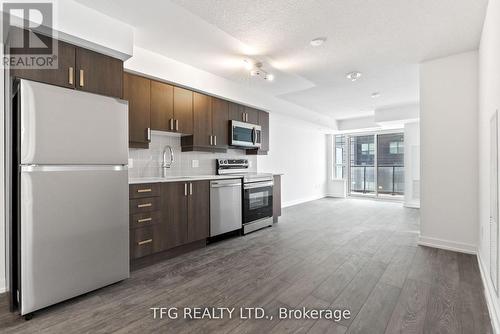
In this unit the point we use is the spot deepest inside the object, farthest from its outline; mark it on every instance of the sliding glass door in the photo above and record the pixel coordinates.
(376, 165)
(362, 164)
(390, 164)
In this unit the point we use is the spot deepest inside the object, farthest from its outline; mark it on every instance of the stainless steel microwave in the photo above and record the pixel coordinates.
(243, 134)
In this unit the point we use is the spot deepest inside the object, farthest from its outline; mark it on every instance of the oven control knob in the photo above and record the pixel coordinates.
(246, 161)
(225, 161)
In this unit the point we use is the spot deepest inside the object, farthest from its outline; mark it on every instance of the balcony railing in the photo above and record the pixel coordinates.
(390, 180)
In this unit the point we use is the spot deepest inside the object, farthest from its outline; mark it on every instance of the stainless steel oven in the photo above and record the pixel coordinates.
(257, 193)
(243, 134)
(257, 205)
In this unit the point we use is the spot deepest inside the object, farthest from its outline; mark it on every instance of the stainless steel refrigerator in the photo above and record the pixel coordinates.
(70, 231)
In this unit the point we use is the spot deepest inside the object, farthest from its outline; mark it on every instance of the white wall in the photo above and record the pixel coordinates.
(155, 65)
(489, 101)
(2, 184)
(299, 152)
(449, 159)
(412, 164)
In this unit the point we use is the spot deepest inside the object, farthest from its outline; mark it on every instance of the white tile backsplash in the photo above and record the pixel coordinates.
(147, 162)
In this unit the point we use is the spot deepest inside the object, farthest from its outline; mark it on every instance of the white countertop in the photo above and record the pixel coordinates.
(180, 178)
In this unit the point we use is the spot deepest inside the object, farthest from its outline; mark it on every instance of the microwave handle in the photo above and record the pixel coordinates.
(254, 136)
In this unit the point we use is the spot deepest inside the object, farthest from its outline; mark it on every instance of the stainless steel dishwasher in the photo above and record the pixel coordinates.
(225, 206)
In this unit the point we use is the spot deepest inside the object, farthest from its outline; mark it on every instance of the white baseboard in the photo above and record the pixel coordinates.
(302, 200)
(447, 244)
(413, 205)
(490, 294)
(335, 196)
(3, 288)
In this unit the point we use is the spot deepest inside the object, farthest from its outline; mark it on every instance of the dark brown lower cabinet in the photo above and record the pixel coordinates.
(179, 215)
(141, 242)
(276, 198)
(198, 210)
(174, 209)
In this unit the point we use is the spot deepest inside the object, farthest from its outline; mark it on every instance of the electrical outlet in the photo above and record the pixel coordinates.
(130, 163)
(195, 163)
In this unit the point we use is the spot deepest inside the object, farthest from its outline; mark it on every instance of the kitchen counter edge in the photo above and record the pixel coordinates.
(181, 179)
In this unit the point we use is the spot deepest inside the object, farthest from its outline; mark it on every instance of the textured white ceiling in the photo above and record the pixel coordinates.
(384, 39)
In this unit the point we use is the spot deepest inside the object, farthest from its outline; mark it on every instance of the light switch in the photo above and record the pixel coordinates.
(250, 163)
(195, 163)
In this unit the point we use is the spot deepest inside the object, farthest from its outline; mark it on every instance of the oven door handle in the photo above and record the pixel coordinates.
(258, 185)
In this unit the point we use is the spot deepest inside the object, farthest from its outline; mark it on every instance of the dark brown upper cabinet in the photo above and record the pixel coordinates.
(98, 73)
(137, 91)
(183, 110)
(63, 75)
(236, 112)
(220, 122)
(77, 68)
(209, 125)
(202, 124)
(252, 115)
(263, 121)
(162, 106)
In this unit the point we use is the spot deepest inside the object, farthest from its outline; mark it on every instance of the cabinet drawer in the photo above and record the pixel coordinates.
(144, 219)
(141, 242)
(144, 190)
(142, 205)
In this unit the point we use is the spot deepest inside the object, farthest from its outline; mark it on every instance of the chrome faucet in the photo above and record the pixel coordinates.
(166, 164)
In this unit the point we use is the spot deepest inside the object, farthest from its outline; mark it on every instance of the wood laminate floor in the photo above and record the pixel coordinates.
(351, 254)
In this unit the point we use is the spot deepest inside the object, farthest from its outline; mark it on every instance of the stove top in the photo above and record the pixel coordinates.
(240, 167)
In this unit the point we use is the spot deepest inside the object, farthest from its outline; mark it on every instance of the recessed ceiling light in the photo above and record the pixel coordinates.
(353, 76)
(375, 95)
(318, 41)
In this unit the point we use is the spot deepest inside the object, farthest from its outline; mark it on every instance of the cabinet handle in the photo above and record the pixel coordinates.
(71, 73)
(190, 188)
(185, 189)
(176, 125)
(148, 190)
(211, 140)
(148, 134)
(82, 80)
(215, 140)
(243, 117)
(145, 205)
(172, 124)
(144, 220)
(143, 242)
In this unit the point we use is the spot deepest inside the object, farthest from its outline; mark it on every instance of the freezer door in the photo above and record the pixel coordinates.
(74, 232)
(65, 126)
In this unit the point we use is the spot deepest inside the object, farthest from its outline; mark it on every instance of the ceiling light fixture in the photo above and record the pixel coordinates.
(375, 95)
(269, 77)
(353, 76)
(255, 70)
(318, 41)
